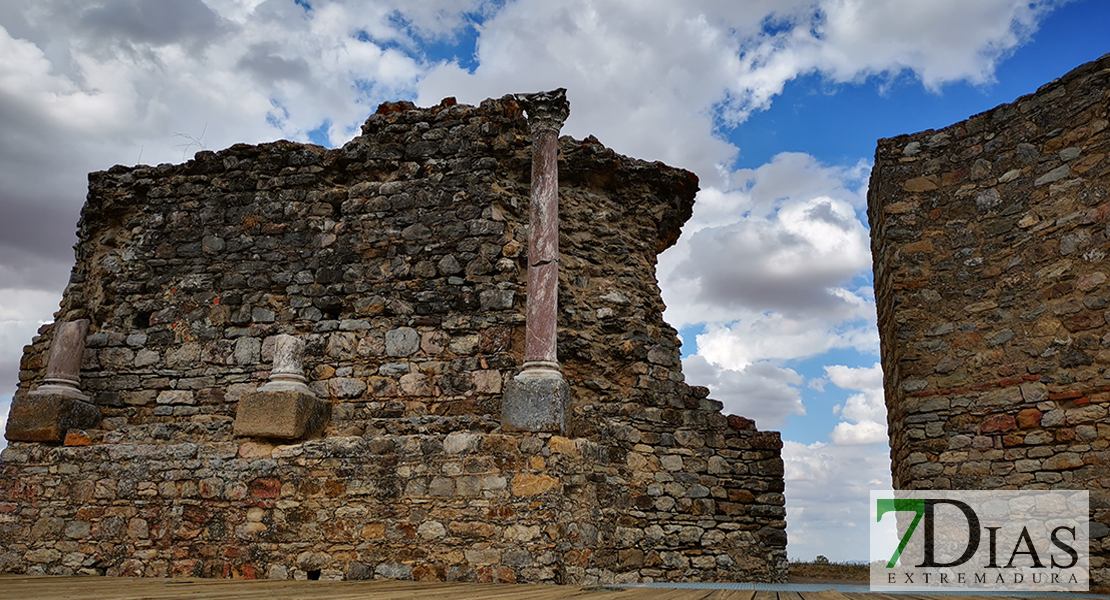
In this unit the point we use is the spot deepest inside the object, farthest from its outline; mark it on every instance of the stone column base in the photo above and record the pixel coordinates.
(535, 400)
(286, 414)
(46, 417)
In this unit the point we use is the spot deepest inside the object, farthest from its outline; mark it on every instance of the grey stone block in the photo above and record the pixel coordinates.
(496, 299)
(47, 417)
(402, 341)
(535, 402)
(288, 414)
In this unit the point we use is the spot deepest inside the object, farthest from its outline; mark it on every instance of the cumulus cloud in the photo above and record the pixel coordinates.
(761, 391)
(793, 240)
(16, 330)
(775, 337)
(147, 22)
(863, 414)
(795, 262)
(87, 85)
(772, 270)
(642, 77)
(827, 497)
(742, 364)
(853, 38)
(655, 78)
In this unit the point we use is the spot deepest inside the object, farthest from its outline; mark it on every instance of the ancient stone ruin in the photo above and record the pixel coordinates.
(990, 241)
(291, 362)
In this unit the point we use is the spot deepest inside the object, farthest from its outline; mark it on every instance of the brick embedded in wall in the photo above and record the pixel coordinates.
(989, 240)
(399, 259)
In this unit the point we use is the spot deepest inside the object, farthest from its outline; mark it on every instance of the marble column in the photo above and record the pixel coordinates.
(47, 413)
(536, 399)
(63, 365)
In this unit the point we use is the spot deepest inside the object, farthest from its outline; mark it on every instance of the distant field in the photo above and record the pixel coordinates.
(828, 571)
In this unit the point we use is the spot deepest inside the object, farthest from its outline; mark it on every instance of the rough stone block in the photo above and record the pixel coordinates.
(535, 403)
(287, 414)
(47, 417)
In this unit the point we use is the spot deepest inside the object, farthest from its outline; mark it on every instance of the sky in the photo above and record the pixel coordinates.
(775, 104)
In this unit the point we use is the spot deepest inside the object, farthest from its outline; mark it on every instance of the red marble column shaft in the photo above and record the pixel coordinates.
(546, 113)
(536, 399)
(543, 249)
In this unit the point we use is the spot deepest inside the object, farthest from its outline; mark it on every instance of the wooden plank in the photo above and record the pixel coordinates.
(701, 594)
(877, 596)
(664, 594)
(948, 596)
(423, 590)
(21, 587)
(823, 595)
(537, 592)
(459, 591)
(98, 587)
(898, 596)
(731, 595)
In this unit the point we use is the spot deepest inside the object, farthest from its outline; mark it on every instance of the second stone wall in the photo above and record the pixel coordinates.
(990, 239)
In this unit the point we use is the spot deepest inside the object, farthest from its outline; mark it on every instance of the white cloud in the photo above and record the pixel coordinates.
(16, 331)
(864, 414)
(642, 77)
(866, 432)
(790, 175)
(849, 40)
(16, 303)
(827, 497)
(649, 77)
(796, 261)
(89, 85)
(786, 244)
(22, 311)
(761, 391)
(860, 38)
(770, 270)
(776, 337)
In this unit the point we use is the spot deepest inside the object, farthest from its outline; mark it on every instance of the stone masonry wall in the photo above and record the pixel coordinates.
(399, 259)
(990, 240)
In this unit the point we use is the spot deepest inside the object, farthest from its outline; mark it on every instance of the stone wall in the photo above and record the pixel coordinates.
(990, 240)
(399, 260)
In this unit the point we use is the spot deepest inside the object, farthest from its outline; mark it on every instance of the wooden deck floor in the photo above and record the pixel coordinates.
(22, 587)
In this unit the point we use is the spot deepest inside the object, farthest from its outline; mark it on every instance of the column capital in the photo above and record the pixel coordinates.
(546, 110)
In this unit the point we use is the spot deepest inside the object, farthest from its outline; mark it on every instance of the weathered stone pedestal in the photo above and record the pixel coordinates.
(47, 417)
(287, 414)
(284, 407)
(58, 405)
(535, 400)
